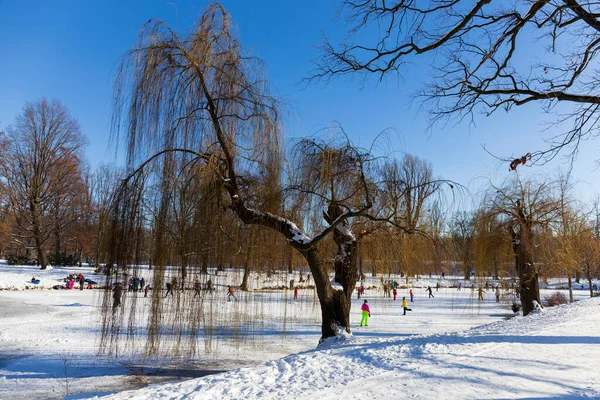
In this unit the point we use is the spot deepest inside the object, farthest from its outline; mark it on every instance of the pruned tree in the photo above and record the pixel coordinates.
(524, 206)
(41, 157)
(485, 56)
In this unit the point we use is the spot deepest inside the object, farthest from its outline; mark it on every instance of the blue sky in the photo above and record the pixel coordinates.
(69, 49)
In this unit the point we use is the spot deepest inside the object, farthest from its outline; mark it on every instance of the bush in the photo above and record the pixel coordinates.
(555, 299)
(63, 259)
(17, 260)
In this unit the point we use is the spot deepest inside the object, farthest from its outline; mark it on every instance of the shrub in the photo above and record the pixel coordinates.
(555, 299)
(17, 260)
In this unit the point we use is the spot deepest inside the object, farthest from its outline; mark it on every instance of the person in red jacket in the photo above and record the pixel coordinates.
(395, 292)
(366, 313)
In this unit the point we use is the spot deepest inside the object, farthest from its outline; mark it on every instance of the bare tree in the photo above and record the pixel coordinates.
(42, 155)
(481, 57)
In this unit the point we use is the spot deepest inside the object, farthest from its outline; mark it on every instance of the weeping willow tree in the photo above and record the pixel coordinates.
(525, 208)
(204, 142)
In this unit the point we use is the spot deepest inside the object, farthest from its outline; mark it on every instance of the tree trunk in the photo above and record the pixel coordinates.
(335, 305)
(589, 279)
(42, 256)
(290, 256)
(570, 288)
(37, 235)
(528, 277)
(244, 285)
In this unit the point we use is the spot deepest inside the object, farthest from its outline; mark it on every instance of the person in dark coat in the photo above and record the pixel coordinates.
(169, 286)
(430, 292)
(117, 293)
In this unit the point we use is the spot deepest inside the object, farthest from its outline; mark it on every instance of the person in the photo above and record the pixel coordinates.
(307, 278)
(405, 305)
(361, 291)
(230, 293)
(480, 293)
(412, 296)
(366, 313)
(33, 279)
(81, 282)
(117, 292)
(407, 279)
(209, 285)
(142, 283)
(395, 292)
(146, 290)
(296, 293)
(443, 275)
(430, 291)
(459, 286)
(437, 286)
(169, 286)
(497, 294)
(196, 288)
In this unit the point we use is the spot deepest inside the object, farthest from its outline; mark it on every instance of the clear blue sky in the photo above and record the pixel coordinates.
(68, 49)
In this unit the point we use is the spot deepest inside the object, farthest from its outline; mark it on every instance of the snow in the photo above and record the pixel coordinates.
(451, 346)
(546, 355)
(297, 235)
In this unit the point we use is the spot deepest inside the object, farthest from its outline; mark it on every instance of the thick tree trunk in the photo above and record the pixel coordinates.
(528, 277)
(42, 256)
(37, 235)
(335, 305)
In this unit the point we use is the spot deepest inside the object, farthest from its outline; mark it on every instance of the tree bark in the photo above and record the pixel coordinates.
(570, 288)
(335, 305)
(589, 279)
(528, 277)
(244, 285)
(37, 236)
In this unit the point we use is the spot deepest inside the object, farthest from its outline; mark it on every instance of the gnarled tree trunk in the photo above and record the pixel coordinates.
(528, 277)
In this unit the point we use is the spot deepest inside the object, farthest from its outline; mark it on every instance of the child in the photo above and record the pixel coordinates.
(405, 305)
(296, 293)
(412, 296)
(395, 292)
(366, 313)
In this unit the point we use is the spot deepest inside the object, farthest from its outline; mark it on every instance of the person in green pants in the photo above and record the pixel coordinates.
(366, 313)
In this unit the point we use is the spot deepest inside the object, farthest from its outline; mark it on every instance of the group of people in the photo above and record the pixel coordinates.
(71, 279)
(136, 284)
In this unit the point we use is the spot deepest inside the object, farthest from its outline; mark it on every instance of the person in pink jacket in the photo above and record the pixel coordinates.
(366, 313)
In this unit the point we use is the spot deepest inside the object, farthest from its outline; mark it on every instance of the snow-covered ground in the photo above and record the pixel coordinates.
(450, 346)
